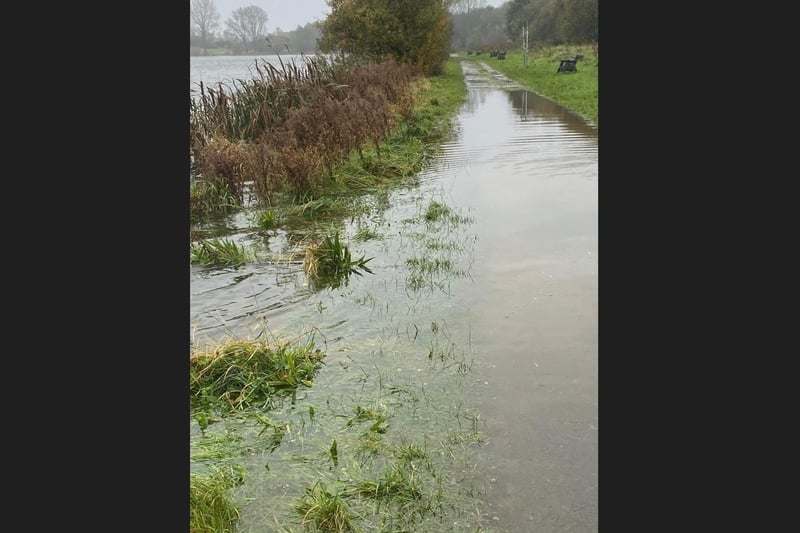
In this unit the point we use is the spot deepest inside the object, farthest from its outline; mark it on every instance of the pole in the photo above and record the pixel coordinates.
(525, 43)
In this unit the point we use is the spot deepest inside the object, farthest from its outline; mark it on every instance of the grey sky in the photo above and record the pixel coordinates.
(288, 14)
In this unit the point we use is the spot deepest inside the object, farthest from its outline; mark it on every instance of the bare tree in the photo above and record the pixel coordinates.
(205, 19)
(467, 6)
(249, 24)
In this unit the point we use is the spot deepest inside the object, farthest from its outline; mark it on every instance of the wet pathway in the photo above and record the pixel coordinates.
(528, 170)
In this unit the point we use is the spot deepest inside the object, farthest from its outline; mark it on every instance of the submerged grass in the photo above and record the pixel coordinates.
(326, 511)
(207, 198)
(218, 252)
(329, 263)
(334, 463)
(212, 509)
(437, 259)
(238, 375)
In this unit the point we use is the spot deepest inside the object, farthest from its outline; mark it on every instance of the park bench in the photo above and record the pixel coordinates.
(569, 64)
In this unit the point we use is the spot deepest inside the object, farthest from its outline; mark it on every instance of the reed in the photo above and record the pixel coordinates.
(290, 126)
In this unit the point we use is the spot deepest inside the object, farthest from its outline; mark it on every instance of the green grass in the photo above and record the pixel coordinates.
(243, 374)
(264, 220)
(325, 511)
(207, 198)
(211, 507)
(329, 263)
(339, 467)
(218, 252)
(577, 91)
(366, 233)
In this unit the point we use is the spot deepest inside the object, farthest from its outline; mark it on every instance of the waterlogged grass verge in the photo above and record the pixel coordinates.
(407, 148)
(372, 450)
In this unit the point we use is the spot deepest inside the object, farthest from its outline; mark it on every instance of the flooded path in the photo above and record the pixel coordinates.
(529, 170)
(515, 291)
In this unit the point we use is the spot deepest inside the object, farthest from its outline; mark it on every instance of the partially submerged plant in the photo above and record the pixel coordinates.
(366, 233)
(211, 509)
(218, 252)
(330, 262)
(242, 374)
(211, 197)
(326, 511)
(265, 220)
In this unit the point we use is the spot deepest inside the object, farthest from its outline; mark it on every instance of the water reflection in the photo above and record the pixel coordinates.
(532, 106)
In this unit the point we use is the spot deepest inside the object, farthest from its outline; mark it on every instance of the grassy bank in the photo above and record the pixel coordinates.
(577, 91)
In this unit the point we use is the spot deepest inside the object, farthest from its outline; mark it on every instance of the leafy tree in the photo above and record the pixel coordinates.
(302, 39)
(554, 21)
(204, 19)
(481, 29)
(541, 17)
(409, 31)
(578, 21)
(249, 24)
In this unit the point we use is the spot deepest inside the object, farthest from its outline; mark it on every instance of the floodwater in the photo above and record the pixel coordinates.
(514, 297)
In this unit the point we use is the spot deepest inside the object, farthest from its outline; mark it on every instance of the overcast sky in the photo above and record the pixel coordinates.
(288, 14)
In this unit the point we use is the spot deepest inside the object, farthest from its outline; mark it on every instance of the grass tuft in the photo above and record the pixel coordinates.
(218, 252)
(239, 375)
(211, 509)
(329, 262)
(326, 511)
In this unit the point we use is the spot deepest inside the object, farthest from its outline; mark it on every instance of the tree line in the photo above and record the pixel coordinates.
(477, 26)
(244, 32)
(422, 32)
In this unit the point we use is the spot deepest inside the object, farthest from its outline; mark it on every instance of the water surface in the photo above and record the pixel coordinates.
(517, 301)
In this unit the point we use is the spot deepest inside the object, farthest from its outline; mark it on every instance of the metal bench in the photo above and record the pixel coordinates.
(569, 64)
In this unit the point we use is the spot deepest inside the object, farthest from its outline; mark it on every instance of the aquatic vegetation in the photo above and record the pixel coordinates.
(210, 198)
(288, 127)
(264, 219)
(437, 212)
(329, 262)
(211, 508)
(366, 233)
(327, 511)
(216, 447)
(218, 252)
(238, 375)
